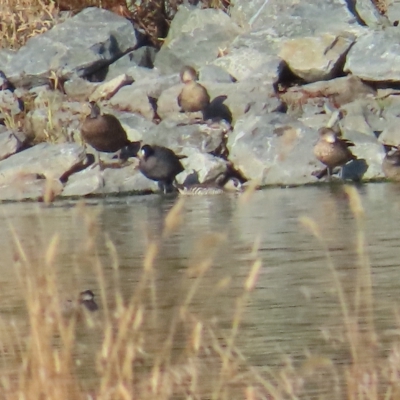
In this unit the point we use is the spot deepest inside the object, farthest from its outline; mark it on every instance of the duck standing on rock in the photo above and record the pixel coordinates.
(160, 164)
(391, 165)
(105, 133)
(332, 150)
(193, 97)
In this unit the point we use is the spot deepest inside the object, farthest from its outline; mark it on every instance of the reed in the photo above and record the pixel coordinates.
(135, 353)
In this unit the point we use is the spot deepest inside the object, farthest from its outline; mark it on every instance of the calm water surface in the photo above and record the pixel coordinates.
(293, 311)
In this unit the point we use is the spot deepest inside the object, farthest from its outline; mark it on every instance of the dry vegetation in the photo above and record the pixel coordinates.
(132, 360)
(22, 19)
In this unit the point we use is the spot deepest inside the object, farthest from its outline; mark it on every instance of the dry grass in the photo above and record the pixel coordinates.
(23, 19)
(209, 363)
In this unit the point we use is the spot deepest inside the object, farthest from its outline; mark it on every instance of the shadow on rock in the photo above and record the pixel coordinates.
(217, 110)
(355, 170)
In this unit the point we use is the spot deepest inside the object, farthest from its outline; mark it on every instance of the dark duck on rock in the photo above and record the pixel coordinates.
(106, 134)
(160, 164)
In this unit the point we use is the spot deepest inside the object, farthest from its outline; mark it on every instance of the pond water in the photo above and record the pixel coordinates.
(293, 312)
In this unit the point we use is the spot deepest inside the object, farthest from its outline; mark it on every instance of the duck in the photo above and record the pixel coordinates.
(84, 302)
(194, 96)
(160, 164)
(219, 186)
(332, 150)
(391, 164)
(105, 133)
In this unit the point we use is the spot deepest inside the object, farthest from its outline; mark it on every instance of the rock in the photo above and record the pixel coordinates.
(375, 56)
(10, 143)
(10, 105)
(135, 72)
(133, 100)
(187, 139)
(213, 73)
(79, 89)
(54, 120)
(5, 57)
(167, 103)
(363, 115)
(370, 154)
(200, 167)
(241, 97)
(318, 57)
(82, 183)
(244, 62)
(392, 12)
(366, 10)
(273, 149)
(126, 180)
(294, 18)
(142, 57)
(80, 45)
(196, 37)
(26, 186)
(334, 93)
(108, 89)
(391, 134)
(235, 99)
(136, 126)
(52, 161)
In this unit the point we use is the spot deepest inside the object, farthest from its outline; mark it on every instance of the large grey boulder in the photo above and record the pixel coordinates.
(375, 56)
(273, 149)
(52, 161)
(318, 57)
(80, 45)
(293, 18)
(187, 139)
(196, 37)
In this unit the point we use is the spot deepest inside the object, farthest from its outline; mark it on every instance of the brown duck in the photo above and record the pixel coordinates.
(160, 164)
(332, 150)
(105, 133)
(391, 164)
(193, 97)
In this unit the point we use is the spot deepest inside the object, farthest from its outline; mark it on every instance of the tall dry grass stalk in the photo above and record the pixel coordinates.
(127, 367)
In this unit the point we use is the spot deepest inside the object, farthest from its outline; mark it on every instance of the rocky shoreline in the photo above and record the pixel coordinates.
(277, 71)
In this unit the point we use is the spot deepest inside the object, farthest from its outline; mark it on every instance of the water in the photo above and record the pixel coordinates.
(292, 313)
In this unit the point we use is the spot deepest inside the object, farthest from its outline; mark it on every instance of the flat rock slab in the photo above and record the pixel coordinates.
(196, 37)
(80, 45)
(293, 18)
(10, 143)
(318, 57)
(274, 149)
(30, 187)
(376, 56)
(126, 180)
(51, 161)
